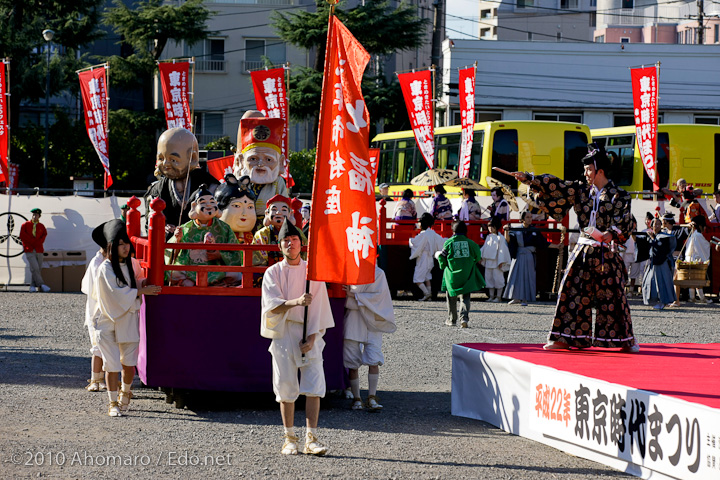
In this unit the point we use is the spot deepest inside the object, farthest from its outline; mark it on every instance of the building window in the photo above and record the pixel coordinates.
(707, 120)
(486, 14)
(628, 4)
(717, 33)
(485, 33)
(558, 117)
(679, 37)
(209, 126)
(568, 4)
(525, 3)
(600, 39)
(209, 55)
(530, 36)
(593, 3)
(624, 120)
(558, 37)
(593, 19)
(257, 51)
(624, 39)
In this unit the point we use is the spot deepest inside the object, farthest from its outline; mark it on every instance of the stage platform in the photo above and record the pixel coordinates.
(655, 414)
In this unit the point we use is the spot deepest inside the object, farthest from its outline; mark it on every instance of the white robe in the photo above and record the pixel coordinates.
(283, 282)
(495, 251)
(369, 310)
(697, 248)
(423, 248)
(118, 305)
(87, 286)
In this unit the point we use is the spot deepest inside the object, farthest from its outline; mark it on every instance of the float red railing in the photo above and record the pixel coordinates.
(150, 251)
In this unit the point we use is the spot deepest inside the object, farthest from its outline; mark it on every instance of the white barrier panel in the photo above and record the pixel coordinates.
(69, 221)
(635, 431)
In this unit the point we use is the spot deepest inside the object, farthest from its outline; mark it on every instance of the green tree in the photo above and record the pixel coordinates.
(380, 28)
(21, 25)
(302, 165)
(222, 143)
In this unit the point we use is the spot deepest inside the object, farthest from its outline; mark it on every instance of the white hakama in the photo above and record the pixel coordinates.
(422, 249)
(494, 253)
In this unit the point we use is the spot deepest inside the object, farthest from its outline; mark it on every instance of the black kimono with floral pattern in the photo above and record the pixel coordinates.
(595, 275)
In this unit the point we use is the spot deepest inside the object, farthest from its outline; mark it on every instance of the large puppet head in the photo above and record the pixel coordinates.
(259, 155)
(278, 209)
(177, 151)
(204, 207)
(237, 204)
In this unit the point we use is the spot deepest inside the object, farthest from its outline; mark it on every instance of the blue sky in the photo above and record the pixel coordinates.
(467, 9)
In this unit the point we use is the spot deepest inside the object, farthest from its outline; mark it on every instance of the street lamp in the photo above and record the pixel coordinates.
(48, 36)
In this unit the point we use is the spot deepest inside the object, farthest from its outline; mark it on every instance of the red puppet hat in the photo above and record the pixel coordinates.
(261, 132)
(278, 198)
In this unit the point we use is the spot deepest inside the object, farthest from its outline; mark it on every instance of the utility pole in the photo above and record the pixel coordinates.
(701, 23)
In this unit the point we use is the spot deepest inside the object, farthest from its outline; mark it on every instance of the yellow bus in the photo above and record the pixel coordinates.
(688, 151)
(533, 146)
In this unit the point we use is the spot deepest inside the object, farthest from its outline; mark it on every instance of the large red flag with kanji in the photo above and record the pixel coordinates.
(175, 86)
(219, 167)
(271, 100)
(417, 92)
(93, 90)
(343, 224)
(645, 101)
(4, 133)
(467, 119)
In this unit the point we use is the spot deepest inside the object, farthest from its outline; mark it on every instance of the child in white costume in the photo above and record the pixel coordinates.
(422, 249)
(97, 376)
(496, 259)
(118, 295)
(283, 289)
(697, 249)
(368, 314)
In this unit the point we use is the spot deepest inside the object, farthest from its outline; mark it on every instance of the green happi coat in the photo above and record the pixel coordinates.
(458, 261)
(193, 233)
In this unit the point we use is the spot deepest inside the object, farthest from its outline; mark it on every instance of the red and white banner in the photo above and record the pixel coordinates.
(467, 119)
(417, 91)
(645, 101)
(219, 167)
(343, 221)
(4, 132)
(271, 100)
(93, 90)
(174, 80)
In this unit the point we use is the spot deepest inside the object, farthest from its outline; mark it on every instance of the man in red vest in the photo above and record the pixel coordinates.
(32, 236)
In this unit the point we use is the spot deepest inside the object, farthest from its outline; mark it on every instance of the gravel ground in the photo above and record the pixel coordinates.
(48, 418)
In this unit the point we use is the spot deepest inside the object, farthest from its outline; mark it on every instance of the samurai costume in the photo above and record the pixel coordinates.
(657, 285)
(522, 279)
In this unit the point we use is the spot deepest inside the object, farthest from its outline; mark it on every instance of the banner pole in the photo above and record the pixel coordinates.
(192, 95)
(107, 119)
(7, 172)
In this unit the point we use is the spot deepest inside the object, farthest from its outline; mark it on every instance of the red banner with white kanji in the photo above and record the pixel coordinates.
(94, 93)
(174, 80)
(417, 91)
(271, 100)
(219, 167)
(467, 119)
(343, 224)
(4, 133)
(645, 101)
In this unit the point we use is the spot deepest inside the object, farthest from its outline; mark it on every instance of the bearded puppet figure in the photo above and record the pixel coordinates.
(260, 158)
(278, 209)
(205, 226)
(177, 168)
(237, 204)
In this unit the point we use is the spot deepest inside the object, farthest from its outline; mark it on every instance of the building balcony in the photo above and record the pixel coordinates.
(205, 138)
(210, 66)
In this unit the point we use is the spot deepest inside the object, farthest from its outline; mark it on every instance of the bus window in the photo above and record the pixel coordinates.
(476, 157)
(663, 163)
(505, 156)
(404, 157)
(385, 168)
(575, 149)
(716, 185)
(446, 151)
(621, 150)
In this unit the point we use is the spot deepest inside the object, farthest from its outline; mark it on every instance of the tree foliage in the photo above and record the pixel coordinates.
(302, 167)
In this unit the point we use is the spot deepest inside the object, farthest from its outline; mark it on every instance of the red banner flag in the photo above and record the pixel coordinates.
(174, 80)
(4, 133)
(271, 100)
(645, 96)
(417, 91)
(344, 220)
(467, 119)
(219, 167)
(93, 89)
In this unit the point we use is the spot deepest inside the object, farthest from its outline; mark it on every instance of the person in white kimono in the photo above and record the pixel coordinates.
(97, 376)
(283, 290)
(635, 269)
(697, 249)
(422, 250)
(368, 314)
(496, 259)
(118, 295)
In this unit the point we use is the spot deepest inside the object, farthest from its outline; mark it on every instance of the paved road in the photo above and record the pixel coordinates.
(48, 419)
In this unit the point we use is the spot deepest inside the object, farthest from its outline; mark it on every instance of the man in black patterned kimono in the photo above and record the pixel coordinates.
(595, 276)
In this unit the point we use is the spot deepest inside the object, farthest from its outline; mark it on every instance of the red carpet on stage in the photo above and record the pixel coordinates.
(687, 371)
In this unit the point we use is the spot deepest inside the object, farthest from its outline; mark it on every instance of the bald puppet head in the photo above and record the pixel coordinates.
(177, 151)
